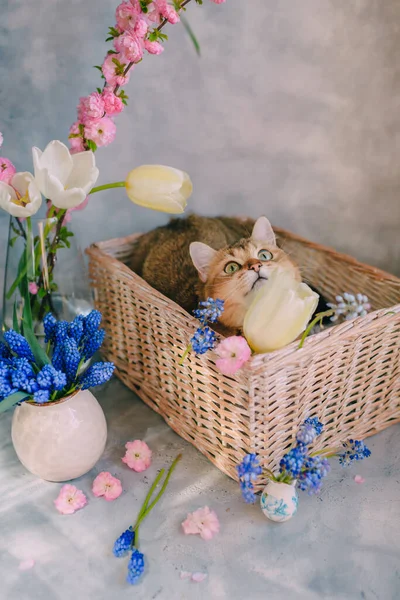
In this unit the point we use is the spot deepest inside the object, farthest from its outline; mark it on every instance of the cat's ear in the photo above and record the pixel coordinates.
(202, 256)
(263, 232)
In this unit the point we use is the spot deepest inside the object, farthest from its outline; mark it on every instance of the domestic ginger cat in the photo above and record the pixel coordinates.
(192, 259)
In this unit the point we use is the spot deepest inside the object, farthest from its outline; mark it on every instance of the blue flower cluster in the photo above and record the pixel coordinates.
(354, 450)
(204, 338)
(72, 345)
(124, 543)
(135, 567)
(349, 306)
(315, 468)
(248, 471)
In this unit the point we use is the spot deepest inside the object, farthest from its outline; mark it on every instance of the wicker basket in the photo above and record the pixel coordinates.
(348, 375)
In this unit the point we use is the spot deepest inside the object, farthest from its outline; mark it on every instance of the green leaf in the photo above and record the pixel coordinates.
(98, 67)
(13, 240)
(190, 33)
(99, 90)
(12, 400)
(37, 350)
(21, 273)
(91, 145)
(15, 318)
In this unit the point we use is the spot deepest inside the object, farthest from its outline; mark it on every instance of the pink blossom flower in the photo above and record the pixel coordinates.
(198, 577)
(137, 456)
(130, 46)
(106, 485)
(167, 11)
(33, 287)
(218, 1)
(141, 28)
(126, 16)
(81, 206)
(1, 139)
(112, 103)
(7, 170)
(113, 72)
(101, 132)
(202, 521)
(153, 47)
(233, 351)
(359, 479)
(76, 143)
(70, 499)
(91, 107)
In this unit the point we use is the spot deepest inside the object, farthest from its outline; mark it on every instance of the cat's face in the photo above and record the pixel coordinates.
(235, 273)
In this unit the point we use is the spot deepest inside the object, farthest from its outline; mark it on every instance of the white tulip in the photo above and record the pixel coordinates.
(279, 312)
(161, 188)
(22, 198)
(62, 177)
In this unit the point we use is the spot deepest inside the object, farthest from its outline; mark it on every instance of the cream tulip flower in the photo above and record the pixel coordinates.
(62, 177)
(279, 312)
(22, 198)
(160, 188)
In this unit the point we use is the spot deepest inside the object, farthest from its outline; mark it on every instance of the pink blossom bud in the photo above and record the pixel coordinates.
(153, 47)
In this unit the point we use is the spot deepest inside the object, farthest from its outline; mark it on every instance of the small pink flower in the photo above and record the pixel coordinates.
(112, 103)
(202, 521)
(1, 139)
(141, 28)
(106, 485)
(153, 47)
(137, 456)
(70, 499)
(198, 577)
(76, 143)
(91, 108)
(7, 170)
(167, 11)
(126, 16)
(130, 46)
(359, 479)
(114, 73)
(233, 351)
(101, 132)
(218, 1)
(33, 287)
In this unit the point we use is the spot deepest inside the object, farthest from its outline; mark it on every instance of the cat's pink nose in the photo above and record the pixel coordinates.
(254, 265)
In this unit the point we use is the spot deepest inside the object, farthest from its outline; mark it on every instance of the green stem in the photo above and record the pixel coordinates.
(326, 450)
(160, 493)
(188, 349)
(318, 318)
(107, 186)
(140, 516)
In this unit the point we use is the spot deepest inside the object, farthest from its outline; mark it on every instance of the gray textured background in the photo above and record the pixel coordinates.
(291, 111)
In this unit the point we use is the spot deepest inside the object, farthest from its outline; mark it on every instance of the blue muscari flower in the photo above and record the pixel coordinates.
(315, 468)
(4, 351)
(61, 332)
(18, 345)
(97, 374)
(92, 322)
(293, 460)
(41, 396)
(71, 358)
(51, 379)
(49, 323)
(249, 468)
(124, 543)
(354, 450)
(309, 430)
(135, 567)
(93, 343)
(22, 375)
(247, 490)
(211, 311)
(204, 339)
(58, 358)
(6, 387)
(75, 329)
(350, 306)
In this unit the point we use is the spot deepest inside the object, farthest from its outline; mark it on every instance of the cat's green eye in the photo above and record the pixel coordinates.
(265, 255)
(231, 267)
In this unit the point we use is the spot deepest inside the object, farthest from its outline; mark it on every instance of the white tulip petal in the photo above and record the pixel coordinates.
(69, 198)
(162, 204)
(160, 188)
(56, 158)
(84, 173)
(23, 183)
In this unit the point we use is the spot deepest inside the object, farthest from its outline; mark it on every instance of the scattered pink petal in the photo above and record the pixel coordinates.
(25, 565)
(137, 456)
(33, 287)
(199, 577)
(359, 479)
(185, 575)
(70, 499)
(106, 485)
(233, 351)
(202, 521)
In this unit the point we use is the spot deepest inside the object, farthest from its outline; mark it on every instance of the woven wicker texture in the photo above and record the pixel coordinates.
(348, 375)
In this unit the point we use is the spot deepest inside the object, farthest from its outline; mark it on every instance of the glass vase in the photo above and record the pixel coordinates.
(45, 265)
